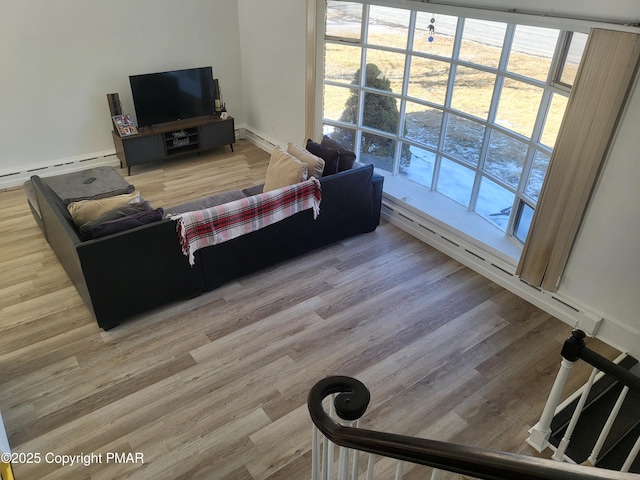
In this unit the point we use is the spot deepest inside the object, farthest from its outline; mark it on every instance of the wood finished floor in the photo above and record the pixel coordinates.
(215, 388)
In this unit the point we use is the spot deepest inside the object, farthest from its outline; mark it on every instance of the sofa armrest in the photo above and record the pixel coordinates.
(136, 270)
(351, 200)
(61, 235)
(120, 275)
(376, 201)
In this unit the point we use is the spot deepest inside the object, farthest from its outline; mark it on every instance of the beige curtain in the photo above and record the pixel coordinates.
(595, 105)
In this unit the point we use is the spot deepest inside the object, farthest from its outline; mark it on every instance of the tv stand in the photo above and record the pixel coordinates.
(165, 140)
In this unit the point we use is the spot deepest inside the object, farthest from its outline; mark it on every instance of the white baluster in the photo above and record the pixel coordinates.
(632, 456)
(564, 443)
(345, 456)
(356, 455)
(343, 464)
(436, 474)
(326, 466)
(593, 458)
(315, 454)
(372, 459)
(399, 470)
(330, 447)
(540, 432)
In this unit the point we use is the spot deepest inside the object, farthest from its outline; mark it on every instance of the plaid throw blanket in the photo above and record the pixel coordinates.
(218, 224)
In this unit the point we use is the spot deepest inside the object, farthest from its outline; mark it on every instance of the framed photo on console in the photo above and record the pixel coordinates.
(124, 125)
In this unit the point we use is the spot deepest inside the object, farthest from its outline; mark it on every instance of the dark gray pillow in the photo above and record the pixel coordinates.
(255, 190)
(125, 223)
(346, 157)
(331, 156)
(124, 211)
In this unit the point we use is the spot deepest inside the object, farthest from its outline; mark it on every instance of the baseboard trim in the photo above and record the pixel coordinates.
(13, 178)
(258, 138)
(107, 158)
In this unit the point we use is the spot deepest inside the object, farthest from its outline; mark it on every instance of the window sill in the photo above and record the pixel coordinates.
(448, 215)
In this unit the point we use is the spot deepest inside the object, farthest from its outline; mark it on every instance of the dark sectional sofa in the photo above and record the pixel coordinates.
(131, 272)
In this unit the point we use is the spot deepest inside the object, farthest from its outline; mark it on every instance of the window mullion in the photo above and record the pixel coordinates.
(559, 57)
(493, 108)
(364, 30)
(502, 67)
(404, 91)
(452, 71)
(363, 72)
(408, 56)
(447, 101)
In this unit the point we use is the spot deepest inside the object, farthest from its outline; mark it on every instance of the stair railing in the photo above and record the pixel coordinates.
(574, 348)
(349, 401)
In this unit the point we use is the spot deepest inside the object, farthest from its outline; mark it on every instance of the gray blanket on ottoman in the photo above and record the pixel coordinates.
(89, 184)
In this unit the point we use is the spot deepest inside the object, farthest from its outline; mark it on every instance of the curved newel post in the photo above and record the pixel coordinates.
(541, 431)
(349, 401)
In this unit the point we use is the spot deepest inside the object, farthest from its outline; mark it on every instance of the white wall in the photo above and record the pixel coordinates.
(604, 267)
(272, 38)
(60, 59)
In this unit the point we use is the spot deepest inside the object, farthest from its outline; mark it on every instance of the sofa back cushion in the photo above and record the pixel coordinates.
(205, 202)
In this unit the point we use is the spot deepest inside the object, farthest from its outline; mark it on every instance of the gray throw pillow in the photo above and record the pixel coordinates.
(346, 157)
(331, 156)
(124, 211)
(126, 223)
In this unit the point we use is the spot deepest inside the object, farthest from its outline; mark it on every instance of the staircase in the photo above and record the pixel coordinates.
(340, 429)
(600, 401)
(601, 427)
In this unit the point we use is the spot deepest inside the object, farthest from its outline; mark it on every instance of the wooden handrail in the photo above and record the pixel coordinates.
(351, 402)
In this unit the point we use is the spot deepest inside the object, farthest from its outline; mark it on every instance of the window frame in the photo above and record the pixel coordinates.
(549, 87)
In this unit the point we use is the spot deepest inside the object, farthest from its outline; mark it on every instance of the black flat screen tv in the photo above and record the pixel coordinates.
(176, 95)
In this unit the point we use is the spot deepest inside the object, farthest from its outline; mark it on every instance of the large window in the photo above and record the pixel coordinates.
(465, 107)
